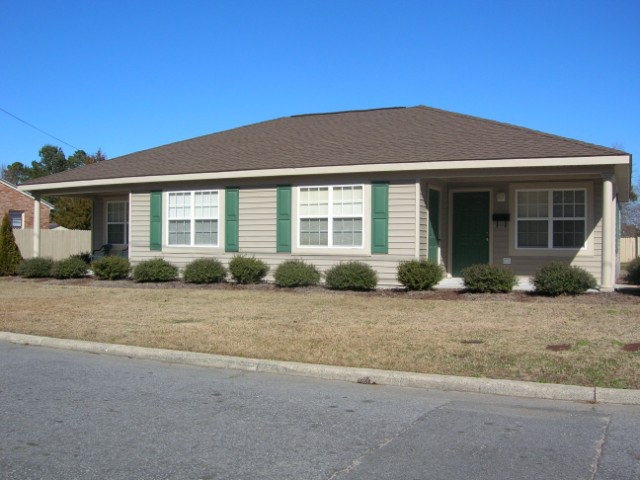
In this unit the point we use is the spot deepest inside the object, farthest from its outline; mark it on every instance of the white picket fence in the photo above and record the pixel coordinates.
(629, 248)
(55, 244)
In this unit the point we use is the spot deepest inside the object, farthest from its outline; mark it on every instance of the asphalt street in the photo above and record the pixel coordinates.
(72, 415)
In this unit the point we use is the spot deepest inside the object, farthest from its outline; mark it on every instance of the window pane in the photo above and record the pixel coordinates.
(116, 233)
(347, 232)
(533, 233)
(180, 205)
(347, 201)
(532, 204)
(314, 231)
(16, 219)
(568, 233)
(206, 232)
(179, 232)
(314, 201)
(116, 211)
(206, 204)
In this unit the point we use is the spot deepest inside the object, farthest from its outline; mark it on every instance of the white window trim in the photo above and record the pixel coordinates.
(126, 221)
(550, 219)
(330, 217)
(192, 218)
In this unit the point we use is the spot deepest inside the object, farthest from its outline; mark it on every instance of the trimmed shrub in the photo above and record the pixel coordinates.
(10, 256)
(351, 276)
(84, 256)
(69, 268)
(247, 269)
(156, 270)
(633, 271)
(419, 274)
(111, 268)
(205, 270)
(38, 267)
(558, 278)
(296, 273)
(484, 278)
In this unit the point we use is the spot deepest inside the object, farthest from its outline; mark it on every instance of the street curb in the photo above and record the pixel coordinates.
(514, 388)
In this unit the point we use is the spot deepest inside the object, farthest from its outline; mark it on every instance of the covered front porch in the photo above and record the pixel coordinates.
(522, 220)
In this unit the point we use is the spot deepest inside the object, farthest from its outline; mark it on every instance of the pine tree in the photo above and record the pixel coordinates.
(10, 256)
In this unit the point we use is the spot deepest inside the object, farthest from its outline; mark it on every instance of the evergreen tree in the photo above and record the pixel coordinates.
(70, 212)
(10, 256)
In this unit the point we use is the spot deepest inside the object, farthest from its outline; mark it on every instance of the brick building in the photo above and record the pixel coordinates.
(19, 205)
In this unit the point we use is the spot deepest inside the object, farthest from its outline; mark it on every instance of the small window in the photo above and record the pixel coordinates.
(117, 222)
(551, 219)
(331, 216)
(193, 218)
(16, 219)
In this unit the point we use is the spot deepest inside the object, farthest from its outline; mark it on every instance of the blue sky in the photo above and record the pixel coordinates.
(129, 75)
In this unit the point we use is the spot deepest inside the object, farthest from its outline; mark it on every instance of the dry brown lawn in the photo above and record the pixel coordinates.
(496, 336)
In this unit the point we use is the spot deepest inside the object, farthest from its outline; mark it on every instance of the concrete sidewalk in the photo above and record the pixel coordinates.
(329, 372)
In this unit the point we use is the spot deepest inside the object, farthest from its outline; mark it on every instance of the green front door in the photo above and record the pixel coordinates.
(434, 225)
(469, 230)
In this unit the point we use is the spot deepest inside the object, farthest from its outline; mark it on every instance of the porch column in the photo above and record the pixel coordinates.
(608, 234)
(36, 226)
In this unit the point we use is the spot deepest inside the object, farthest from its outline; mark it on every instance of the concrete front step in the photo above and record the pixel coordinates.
(525, 284)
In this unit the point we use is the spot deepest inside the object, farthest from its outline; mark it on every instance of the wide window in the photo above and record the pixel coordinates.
(331, 216)
(16, 219)
(117, 222)
(193, 218)
(551, 218)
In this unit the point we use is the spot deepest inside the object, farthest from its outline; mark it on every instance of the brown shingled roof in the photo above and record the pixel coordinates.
(390, 135)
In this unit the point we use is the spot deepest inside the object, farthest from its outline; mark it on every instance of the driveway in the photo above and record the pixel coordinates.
(70, 415)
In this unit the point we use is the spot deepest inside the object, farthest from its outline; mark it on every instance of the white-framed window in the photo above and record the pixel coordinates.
(16, 218)
(117, 222)
(331, 216)
(192, 218)
(549, 219)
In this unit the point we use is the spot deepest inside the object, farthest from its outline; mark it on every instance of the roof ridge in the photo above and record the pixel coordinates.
(345, 111)
(527, 129)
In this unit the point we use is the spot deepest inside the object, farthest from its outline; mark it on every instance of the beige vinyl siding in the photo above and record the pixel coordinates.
(257, 233)
(139, 226)
(257, 214)
(402, 219)
(528, 264)
(424, 221)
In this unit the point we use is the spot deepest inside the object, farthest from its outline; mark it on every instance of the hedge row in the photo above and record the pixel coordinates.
(553, 279)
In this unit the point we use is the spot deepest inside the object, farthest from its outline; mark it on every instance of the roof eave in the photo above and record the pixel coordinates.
(621, 162)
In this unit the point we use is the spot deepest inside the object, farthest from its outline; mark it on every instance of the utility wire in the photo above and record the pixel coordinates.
(36, 128)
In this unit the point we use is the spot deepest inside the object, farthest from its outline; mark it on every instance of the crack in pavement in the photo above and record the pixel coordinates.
(599, 448)
(358, 460)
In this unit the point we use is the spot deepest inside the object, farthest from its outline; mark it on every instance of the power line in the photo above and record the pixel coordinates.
(39, 129)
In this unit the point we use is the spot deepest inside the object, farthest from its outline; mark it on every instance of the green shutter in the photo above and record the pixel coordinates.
(155, 221)
(231, 219)
(379, 217)
(283, 219)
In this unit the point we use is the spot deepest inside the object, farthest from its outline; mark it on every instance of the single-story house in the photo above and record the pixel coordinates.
(378, 186)
(20, 207)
